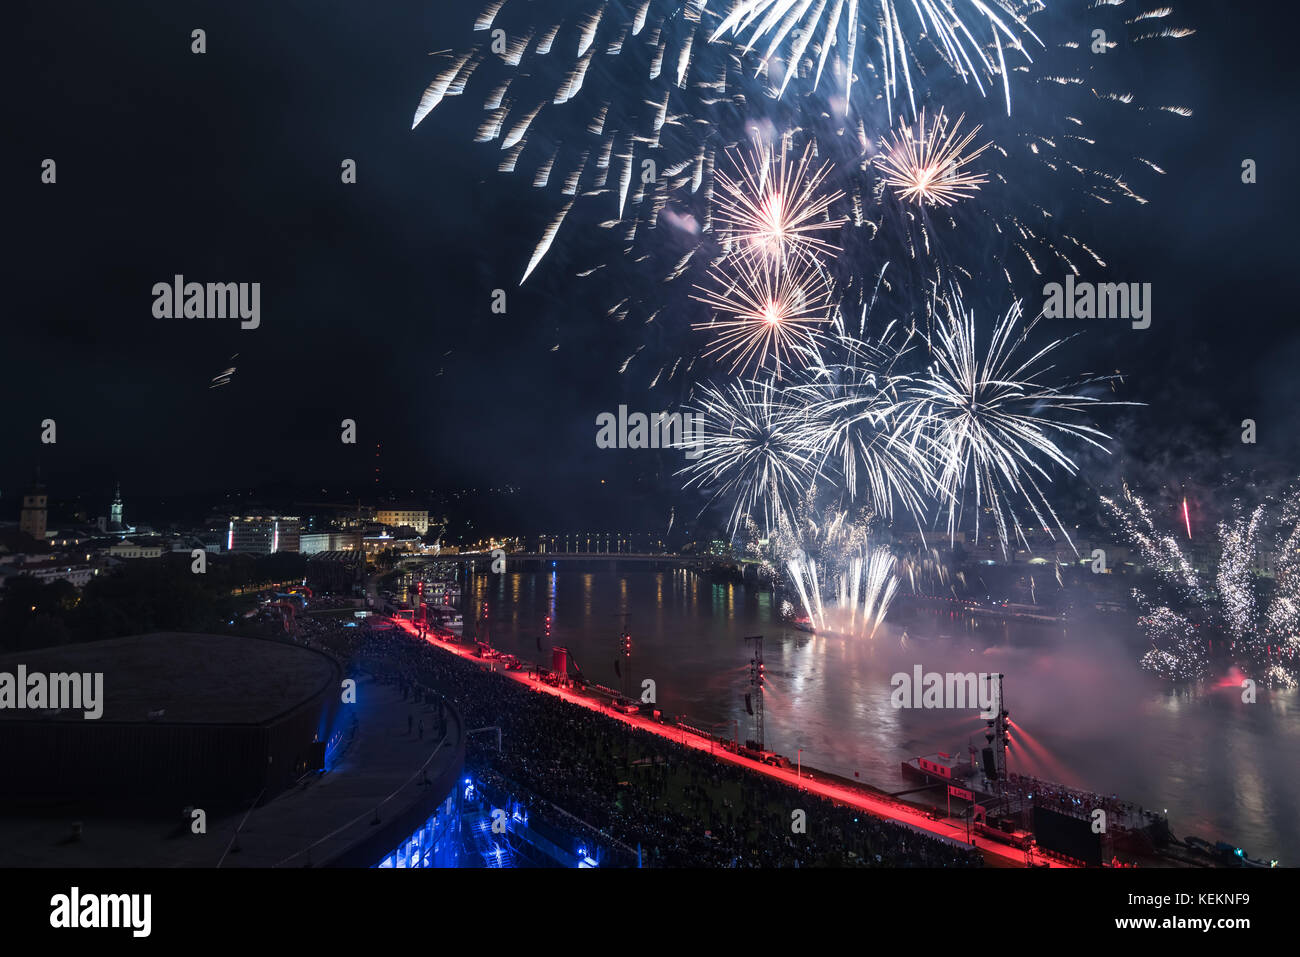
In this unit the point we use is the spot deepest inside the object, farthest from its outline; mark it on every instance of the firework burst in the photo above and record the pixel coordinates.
(773, 307)
(864, 428)
(992, 422)
(755, 451)
(863, 594)
(974, 430)
(927, 163)
(773, 208)
(845, 585)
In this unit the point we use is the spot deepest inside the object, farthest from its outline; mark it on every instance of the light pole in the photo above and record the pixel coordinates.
(798, 772)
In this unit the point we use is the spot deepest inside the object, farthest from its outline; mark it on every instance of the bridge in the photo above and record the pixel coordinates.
(662, 558)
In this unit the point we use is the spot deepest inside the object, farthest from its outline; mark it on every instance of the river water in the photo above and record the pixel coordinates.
(1088, 715)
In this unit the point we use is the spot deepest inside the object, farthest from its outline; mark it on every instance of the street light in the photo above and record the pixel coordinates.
(798, 772)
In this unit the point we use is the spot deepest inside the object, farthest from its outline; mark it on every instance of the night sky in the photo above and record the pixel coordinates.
(376, 296)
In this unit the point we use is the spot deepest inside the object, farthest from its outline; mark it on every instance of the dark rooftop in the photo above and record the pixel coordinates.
(195, 679)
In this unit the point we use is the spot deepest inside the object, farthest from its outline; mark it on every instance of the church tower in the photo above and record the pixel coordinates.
(33, 517)
(115, 515)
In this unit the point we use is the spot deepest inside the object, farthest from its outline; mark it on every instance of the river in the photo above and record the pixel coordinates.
(1087, 715)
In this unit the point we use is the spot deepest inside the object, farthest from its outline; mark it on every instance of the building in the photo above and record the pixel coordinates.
(33, 518)
(129, 549)
(69, 538)
(316, 543)
(231, 719)
(241, 728)
(395, 517)
(75, 573)
(114, 524)
(115, 511)
(262, 534)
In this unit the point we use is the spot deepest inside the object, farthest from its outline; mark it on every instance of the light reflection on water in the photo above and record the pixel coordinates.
(1088, 716)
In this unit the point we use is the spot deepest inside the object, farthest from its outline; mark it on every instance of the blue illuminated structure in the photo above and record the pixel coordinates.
(436, 843)
(481, 826)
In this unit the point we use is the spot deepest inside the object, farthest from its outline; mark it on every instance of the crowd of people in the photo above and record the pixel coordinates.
(677, 805)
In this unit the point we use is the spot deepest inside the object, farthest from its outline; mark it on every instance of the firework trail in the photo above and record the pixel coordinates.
(865, 592)
(950, 27)
(868, 598)
(827, 552)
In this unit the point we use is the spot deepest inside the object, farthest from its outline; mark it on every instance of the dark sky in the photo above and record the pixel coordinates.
(225, 167)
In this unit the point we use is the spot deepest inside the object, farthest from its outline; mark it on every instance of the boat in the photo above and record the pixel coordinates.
(1018, 611)
(446, 619)
(940, 767)
(1060, 817)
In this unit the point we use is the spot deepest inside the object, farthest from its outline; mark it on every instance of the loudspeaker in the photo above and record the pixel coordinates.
(990, 766)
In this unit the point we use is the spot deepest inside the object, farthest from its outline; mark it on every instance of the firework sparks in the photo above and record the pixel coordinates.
(571, 105)
(755, 451)
(927, 163)
(992, 423)
(864, 429)
(864, 592)
(1255, 621)
(774, 305)
(774, 208)
(868, 597)
(952, 35)
(974, 429)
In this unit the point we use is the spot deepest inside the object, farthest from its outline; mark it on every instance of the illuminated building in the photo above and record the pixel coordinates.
(262, 534)
(395, 517)
(129, 549)
(316, 543)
